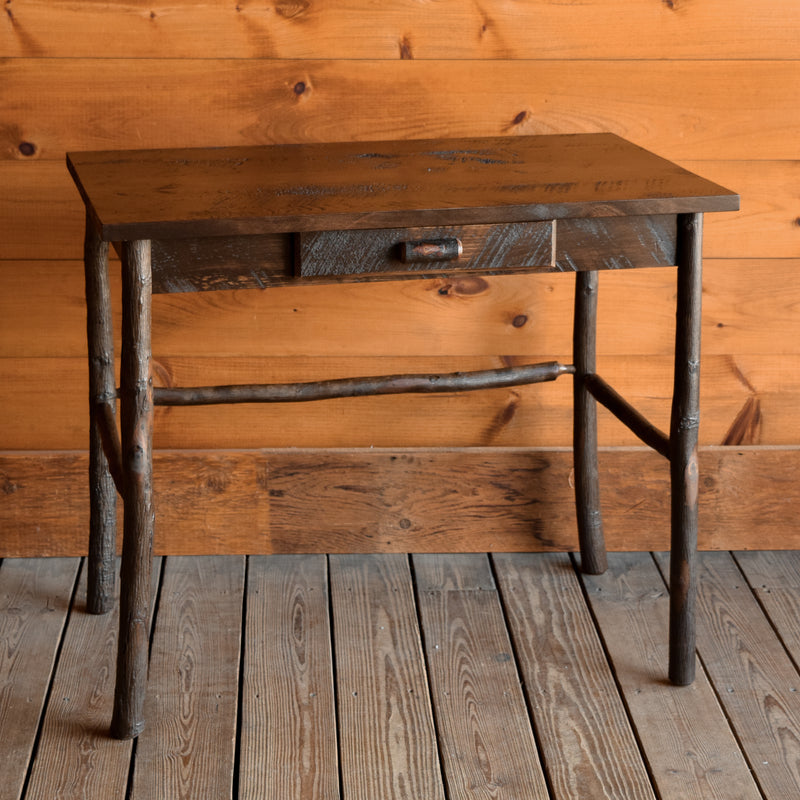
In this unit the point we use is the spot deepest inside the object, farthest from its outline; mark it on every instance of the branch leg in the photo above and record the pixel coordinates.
(136, 407)
(102, 388)
(683, 460)
(587, 488)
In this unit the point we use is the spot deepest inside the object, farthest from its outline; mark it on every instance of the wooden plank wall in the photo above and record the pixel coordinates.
(713, 85)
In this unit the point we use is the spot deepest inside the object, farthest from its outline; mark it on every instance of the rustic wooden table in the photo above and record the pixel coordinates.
(205, 219)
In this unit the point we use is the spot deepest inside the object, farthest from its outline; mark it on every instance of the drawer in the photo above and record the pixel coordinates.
(446, 249)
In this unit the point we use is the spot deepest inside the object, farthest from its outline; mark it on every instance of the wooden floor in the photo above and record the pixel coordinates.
(423, 677)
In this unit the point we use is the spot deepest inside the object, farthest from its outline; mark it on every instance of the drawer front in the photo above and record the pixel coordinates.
(616, 242)
(447, 249)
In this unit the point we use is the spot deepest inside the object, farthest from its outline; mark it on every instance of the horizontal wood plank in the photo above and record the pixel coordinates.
(404, 501)
(450, 29)
(41, 197)
(748, 308)
(680, 109)
(745, 400)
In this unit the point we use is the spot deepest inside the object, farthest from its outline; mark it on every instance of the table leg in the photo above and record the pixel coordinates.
(102, 389)
(587, 489)
(683, 456)
(136, 410)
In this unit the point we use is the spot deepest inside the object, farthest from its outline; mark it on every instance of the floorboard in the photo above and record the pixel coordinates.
(388, 741)
(478, 701)
(689, 745)
(187, 748)
(288, 737)
(752, 672)
(584, 730)
(394, 677)
(76, 758)
(35, 598)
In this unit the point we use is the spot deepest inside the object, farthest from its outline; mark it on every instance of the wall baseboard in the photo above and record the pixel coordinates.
(399, 500)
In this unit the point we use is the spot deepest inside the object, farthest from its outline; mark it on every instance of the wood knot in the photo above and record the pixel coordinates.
(299, 88)
(405, 49)
(465, 287)
(27, 149)
(289, 9)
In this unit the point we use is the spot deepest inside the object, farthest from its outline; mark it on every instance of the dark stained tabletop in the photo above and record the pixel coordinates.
(164, 194)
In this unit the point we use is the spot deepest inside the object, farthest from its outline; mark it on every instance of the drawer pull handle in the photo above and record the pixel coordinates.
(430, 250)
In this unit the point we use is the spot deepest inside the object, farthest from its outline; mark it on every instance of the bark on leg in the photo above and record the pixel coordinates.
(102, 388)
(137, 435)
(683, 461)
(587, 489)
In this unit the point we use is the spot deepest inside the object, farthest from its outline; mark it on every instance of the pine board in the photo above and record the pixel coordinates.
(461, 317)
(34, 603)
(447, 29)
(477, 699)
(80, 708)
(288, 729)
(387, 736)
(503, 499)
(746, 400)
(690, 747)
(187, 748)
(687, 109)
(588, 745)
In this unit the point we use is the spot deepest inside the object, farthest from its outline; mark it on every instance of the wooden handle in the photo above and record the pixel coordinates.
(431, 250)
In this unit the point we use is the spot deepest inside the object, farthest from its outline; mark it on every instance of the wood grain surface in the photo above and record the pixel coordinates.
(34, 604)
(748, 309)
(692, 751)
(569, 683)
(555, 627)
(475, 686)
(682, 109)
(187, 747)
(386, 728)
(502, 499)
(755, 676)
(288, 728)
(323, 29)
(184, 193)
(709, 84)
(774, 577)
(746, 400)
(82, 698)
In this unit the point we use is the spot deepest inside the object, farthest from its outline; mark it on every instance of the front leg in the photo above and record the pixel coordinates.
(683, 451)
(137, 467)
(587, 488)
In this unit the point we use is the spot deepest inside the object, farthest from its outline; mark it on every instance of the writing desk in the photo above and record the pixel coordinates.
(205, 219)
